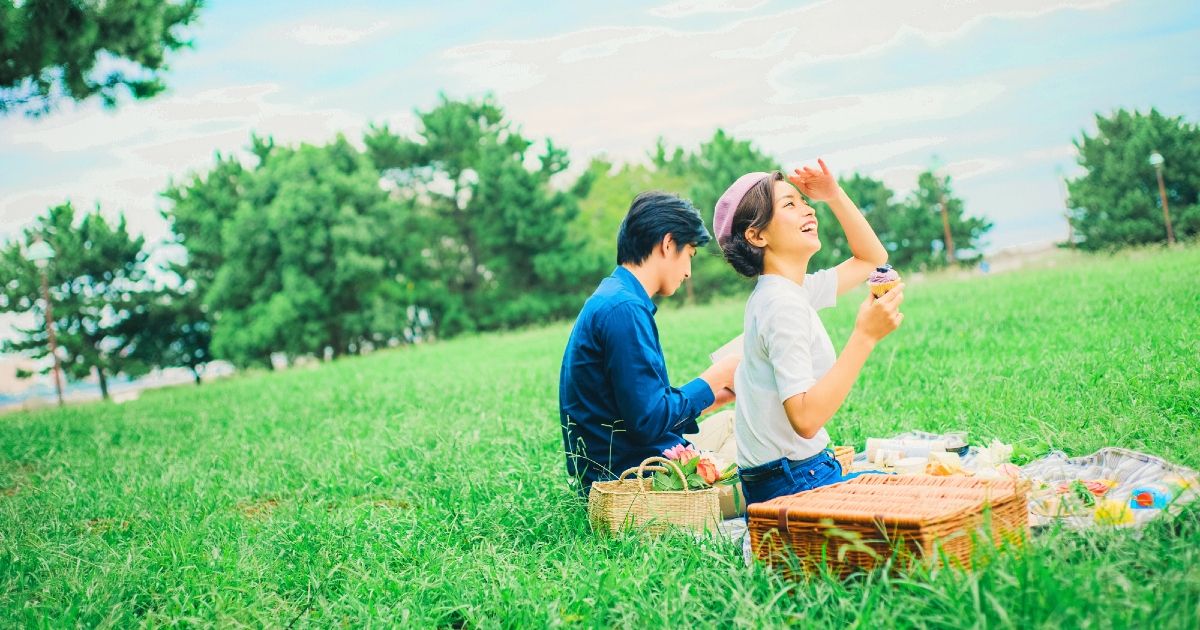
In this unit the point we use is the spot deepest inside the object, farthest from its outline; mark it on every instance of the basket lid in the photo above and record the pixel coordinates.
(904, 501)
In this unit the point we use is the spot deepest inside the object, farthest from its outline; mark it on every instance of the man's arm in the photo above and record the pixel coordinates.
(650, 407)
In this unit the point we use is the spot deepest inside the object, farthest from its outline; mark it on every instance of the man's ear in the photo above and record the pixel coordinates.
(668, 244)
(755, 237)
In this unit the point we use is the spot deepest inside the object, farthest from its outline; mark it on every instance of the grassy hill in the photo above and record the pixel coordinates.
(425, 486)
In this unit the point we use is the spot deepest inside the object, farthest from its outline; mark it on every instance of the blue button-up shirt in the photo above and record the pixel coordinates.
(616, 405)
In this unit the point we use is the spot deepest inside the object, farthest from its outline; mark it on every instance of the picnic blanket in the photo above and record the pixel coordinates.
(1129, 469)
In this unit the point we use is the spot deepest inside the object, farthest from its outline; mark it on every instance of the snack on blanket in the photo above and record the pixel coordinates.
(1084, 487)
(911, 466)
(1070, 498)
(1112, 512)
(1151, 497)
(945, 464)
(882, 280)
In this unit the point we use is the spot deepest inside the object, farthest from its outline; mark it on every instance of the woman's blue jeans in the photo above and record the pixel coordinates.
(788, 476)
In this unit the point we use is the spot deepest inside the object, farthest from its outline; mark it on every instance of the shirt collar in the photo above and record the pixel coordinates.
(631, 284)
(783, 282)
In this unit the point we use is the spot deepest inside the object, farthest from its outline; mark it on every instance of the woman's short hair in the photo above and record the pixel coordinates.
(756, 210)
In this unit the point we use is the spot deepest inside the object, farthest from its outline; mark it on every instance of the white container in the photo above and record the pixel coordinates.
(907, 448)
(911, 466)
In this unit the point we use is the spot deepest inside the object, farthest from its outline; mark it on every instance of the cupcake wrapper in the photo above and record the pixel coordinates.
(879, 289)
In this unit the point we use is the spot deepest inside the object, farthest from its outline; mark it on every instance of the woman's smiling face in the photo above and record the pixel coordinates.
(792, 231)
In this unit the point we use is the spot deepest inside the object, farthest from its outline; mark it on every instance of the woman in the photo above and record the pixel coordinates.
(790, 383)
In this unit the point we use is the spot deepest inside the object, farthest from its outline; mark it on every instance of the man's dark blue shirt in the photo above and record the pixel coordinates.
(616, 405)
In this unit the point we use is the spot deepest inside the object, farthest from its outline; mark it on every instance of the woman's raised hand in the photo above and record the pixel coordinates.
(816, 184)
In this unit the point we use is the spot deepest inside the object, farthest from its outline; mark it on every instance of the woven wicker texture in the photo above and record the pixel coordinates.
(862, 522)
(630, 503)
(845, 457)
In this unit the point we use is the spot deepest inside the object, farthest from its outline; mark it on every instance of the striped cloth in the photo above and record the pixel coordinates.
(1129, 469)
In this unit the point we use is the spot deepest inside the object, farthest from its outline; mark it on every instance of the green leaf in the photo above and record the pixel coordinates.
(657, 482)
(663, 482)
(689, 467)
(730, 472)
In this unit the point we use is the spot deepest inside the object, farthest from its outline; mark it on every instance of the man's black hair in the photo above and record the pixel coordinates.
(652, 216)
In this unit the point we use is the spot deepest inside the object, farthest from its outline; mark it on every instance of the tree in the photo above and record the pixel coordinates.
(877, 203)
(1117, 203)
(492, 247)
(304, 260)
(171, 329)
(709, 171)
(66, 49)
(176, 330)
(914, 234)
(713, 167)
(95, 282)
(609, 191)
(199, 209)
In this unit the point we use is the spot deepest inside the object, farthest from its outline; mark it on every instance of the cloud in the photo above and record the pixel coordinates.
(1053, 153)
(492, 69)
(148, 143)
(607, 45)
(848, 119)
(607, 90)
(684, 8)
(902, 178)
(776, 45)
(861, 157)
(326, 35)
(335, 28)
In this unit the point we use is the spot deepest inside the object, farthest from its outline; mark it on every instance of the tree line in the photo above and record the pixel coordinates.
(465, 225)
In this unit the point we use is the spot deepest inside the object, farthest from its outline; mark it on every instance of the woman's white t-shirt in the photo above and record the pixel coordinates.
(786, 350)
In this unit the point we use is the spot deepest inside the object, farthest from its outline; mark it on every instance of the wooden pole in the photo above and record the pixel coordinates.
(1162, 194)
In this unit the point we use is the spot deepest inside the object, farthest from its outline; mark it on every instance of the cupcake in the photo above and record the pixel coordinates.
(882, 280)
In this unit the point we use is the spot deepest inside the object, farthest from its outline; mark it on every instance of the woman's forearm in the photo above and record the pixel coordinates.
(808, 412)
(861, 238)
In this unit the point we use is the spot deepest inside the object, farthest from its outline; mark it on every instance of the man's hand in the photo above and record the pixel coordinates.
(724, 397)
(720, 375)
(816, 184)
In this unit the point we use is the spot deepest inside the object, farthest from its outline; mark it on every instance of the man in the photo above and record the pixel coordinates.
(616, 404)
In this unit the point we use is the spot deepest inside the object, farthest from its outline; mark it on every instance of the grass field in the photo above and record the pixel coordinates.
(425, 486)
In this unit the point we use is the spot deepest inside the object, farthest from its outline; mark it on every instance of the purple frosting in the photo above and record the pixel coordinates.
(883, 274)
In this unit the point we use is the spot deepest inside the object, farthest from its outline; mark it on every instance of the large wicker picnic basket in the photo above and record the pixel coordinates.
(629, 502)
(862, 522)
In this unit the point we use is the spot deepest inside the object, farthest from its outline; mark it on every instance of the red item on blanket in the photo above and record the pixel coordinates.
(1096, 487)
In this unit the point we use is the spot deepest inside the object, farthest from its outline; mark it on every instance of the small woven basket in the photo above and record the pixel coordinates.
(845, 457)
(630, 502)
(860, 523)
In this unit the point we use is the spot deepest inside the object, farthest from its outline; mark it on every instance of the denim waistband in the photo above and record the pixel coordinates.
(777, 467)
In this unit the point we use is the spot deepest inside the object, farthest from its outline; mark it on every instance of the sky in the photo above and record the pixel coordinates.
(997, 90)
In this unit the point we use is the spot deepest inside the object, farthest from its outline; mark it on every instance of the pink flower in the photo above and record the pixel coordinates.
(681, 453)
(707, 470)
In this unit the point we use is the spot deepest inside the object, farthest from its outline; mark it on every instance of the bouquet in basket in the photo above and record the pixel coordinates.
(701, 470)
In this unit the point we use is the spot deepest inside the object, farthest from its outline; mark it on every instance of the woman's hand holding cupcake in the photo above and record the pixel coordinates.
(878, 317)
(882, 280)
